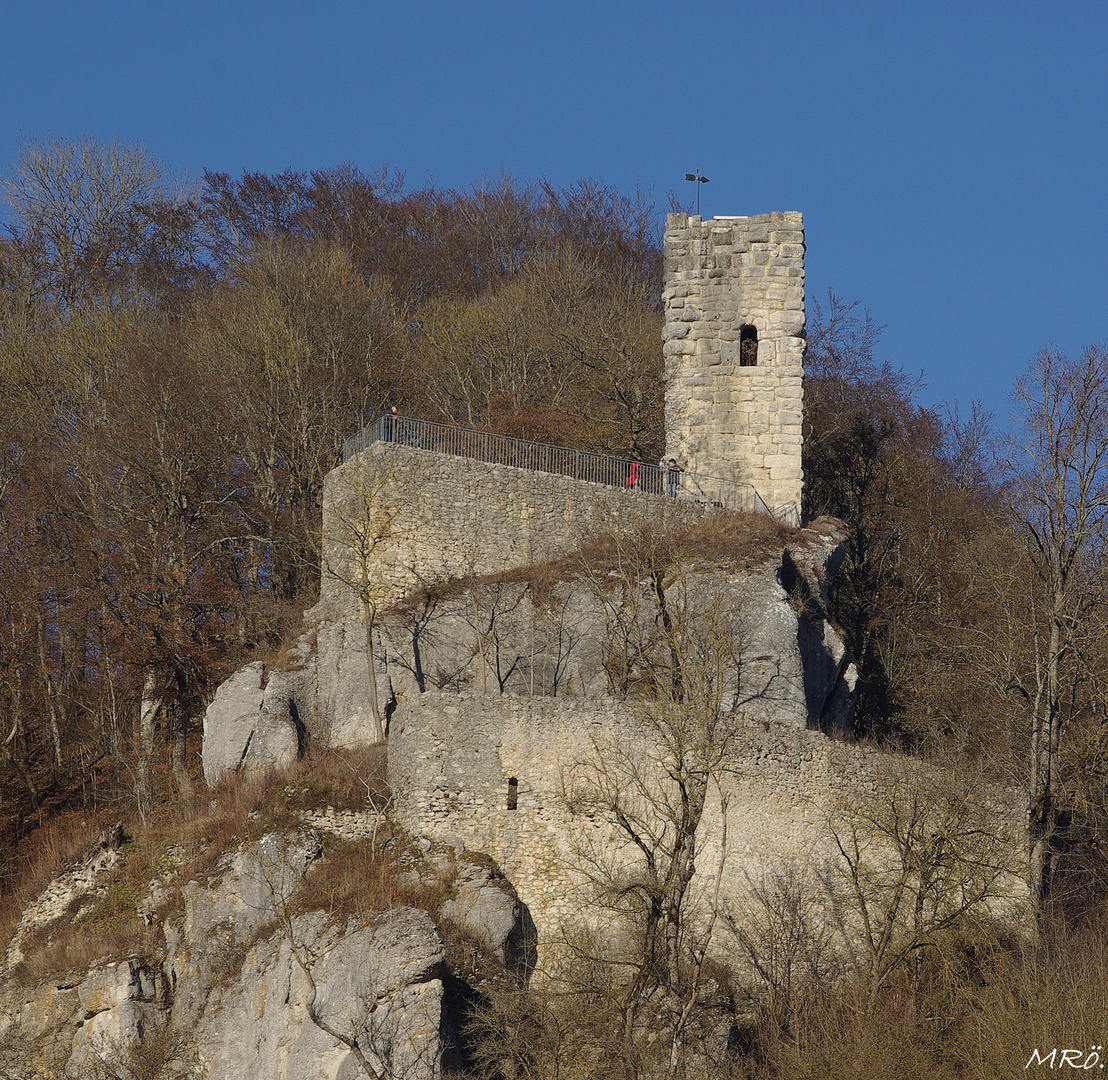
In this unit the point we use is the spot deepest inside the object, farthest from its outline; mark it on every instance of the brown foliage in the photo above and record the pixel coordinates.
(179, 369)
(930, 560)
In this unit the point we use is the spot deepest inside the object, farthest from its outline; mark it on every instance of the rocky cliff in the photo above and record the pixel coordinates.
(554, 630)
(241, 975)
(318, 939)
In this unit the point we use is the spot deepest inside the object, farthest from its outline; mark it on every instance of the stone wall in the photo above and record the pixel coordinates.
(400, 517)
(397, 516)
(452, 758)
(725, 415)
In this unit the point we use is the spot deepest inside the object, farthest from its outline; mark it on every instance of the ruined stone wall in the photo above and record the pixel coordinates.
(723, 417)
(400, 517)
(452, 757)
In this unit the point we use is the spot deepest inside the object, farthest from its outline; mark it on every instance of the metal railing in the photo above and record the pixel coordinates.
(635, 476)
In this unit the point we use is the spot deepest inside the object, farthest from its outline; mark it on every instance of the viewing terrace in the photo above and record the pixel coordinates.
(633, 476)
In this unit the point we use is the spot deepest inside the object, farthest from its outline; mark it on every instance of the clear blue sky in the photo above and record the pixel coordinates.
(950, 158)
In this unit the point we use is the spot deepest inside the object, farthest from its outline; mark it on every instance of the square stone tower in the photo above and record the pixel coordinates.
(734, 351)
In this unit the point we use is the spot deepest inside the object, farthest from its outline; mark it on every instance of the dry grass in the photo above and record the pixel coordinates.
(972, 1016)
(103, 923)
(177, 847)
(356, 879)
(49, 851)
(244, 809)
(350, 880)
(1056, 998)
(734, 541)
(340, 779)
(289, 658)
(107, 928)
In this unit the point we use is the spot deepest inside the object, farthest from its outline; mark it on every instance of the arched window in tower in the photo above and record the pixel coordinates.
(748, 346)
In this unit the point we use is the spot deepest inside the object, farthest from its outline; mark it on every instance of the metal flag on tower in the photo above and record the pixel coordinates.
(698, 180)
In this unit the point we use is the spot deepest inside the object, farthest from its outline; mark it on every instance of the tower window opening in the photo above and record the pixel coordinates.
(748, 346)
(513, 793)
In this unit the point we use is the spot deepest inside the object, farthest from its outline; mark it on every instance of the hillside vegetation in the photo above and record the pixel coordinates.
(180, 363)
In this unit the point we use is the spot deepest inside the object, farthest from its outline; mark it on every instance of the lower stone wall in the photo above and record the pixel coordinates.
(452, 757)
(398, 517)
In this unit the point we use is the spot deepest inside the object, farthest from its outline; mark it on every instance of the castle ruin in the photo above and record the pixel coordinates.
(501, 697)
(734, 351)
(401, 512)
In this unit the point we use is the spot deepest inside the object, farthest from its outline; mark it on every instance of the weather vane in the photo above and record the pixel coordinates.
(698, 180)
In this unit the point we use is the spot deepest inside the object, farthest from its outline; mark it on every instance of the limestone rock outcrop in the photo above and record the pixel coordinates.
(483, 903)
(263, 717)
(246, 985)
(379, 984)
(232, 725)
(505, 638)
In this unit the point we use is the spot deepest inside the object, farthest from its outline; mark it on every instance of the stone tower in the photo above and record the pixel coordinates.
(734, 351)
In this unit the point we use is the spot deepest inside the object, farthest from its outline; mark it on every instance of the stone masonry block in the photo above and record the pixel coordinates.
(781, 461)
(721, 418)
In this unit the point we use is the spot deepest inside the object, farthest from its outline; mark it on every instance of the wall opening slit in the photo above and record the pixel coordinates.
(513, 793)
(748, 346)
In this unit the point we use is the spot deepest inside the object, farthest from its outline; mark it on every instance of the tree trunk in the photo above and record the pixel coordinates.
(148, 711)
(179, 754)
(49, 695)
(1045, 773)
(682, 868)
(374, 699)
(17, 736)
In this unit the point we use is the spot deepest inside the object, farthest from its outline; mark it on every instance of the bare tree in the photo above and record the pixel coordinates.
(299, 336)
(684, 634)
(784, 930)
(1059, 463)
(78, 206)
(494, 614)
(920, 853)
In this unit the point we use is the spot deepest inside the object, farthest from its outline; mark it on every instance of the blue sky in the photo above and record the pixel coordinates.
(950, 158)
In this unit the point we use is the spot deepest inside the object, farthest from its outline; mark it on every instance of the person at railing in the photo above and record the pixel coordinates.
(388, 425)
(633, 476)
(673, 476)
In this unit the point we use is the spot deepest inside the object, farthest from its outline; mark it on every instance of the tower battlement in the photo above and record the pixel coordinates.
(734, 351)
